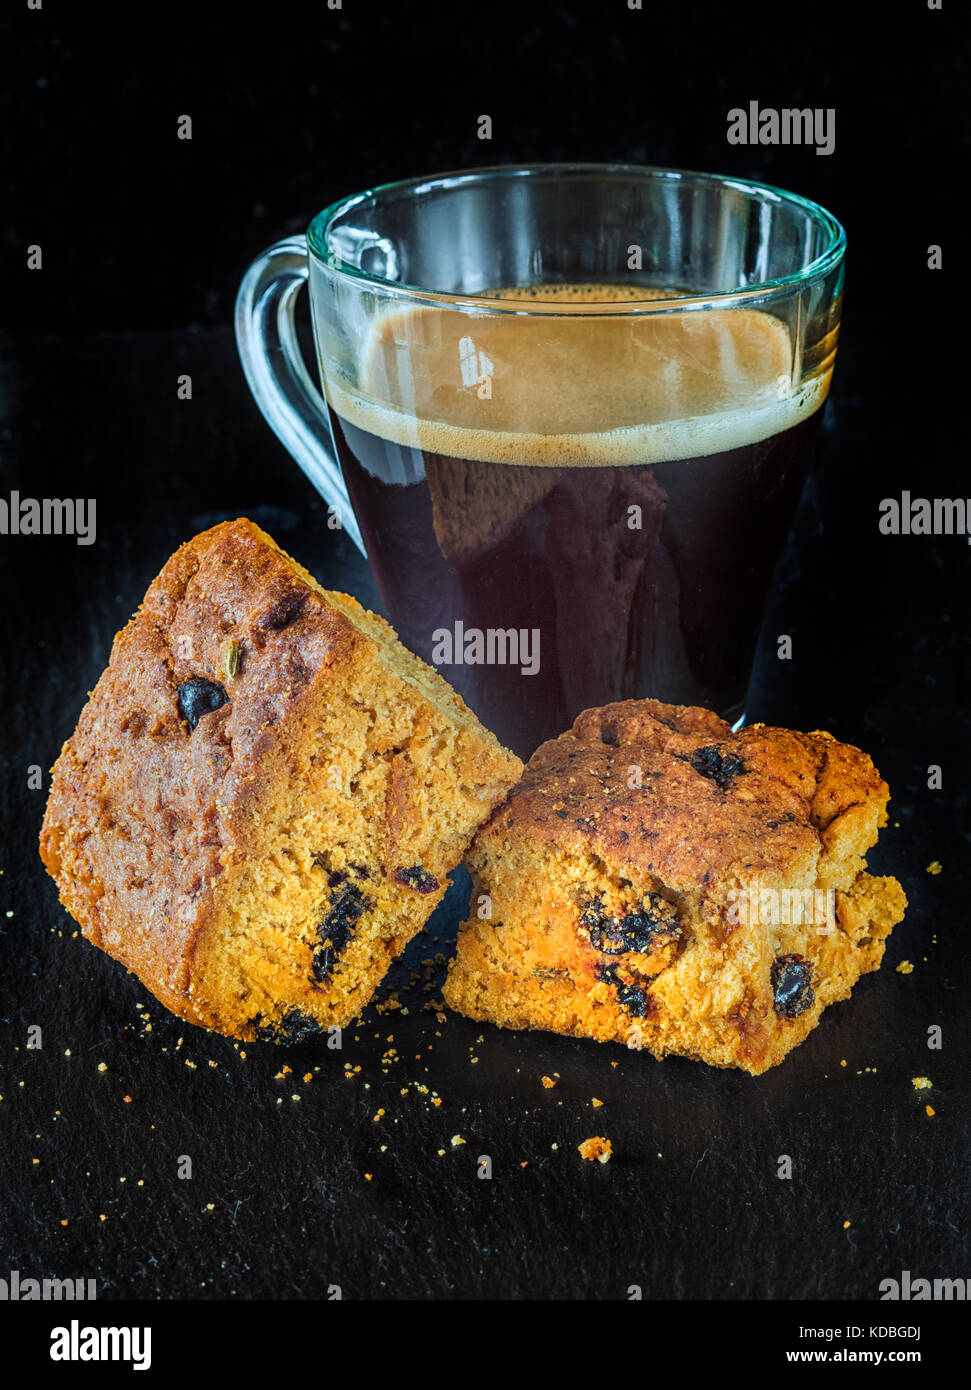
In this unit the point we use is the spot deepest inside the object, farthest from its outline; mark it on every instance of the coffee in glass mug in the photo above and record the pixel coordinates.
(573, 408)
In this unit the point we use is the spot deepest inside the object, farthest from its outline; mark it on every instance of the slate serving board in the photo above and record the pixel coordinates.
(280, 1203)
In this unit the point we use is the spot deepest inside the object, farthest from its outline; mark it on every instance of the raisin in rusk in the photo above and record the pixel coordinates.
(198, 697)
(264, 795)
(660, 881)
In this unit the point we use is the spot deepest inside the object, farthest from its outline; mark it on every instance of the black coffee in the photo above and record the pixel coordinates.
(535, 525)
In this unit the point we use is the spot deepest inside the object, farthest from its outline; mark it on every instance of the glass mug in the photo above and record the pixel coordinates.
(567, 413)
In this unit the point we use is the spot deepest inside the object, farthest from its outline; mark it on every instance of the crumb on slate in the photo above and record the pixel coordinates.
(597, 1148)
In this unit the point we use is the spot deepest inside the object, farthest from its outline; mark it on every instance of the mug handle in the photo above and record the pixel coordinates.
(266, 338)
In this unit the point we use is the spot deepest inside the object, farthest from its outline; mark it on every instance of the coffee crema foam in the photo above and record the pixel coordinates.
(572, 386)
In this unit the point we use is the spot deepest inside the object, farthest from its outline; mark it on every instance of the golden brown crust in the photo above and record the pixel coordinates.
(642, 875)
(163, 838)
(139, 814)
(577, 793)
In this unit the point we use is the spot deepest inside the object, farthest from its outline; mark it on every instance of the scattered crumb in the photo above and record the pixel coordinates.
(548, 1082)
(846, 1225)
(922, 1083)
(929, 1110)
(127, 1100)
(843, 1062)
(457, 1140)
(934, 867)
(367, 1177)
(905, 968)
(596, 1148)
(595, 1102)
(102, 1066)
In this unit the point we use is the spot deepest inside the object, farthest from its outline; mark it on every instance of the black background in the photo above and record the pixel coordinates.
(145, 238)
